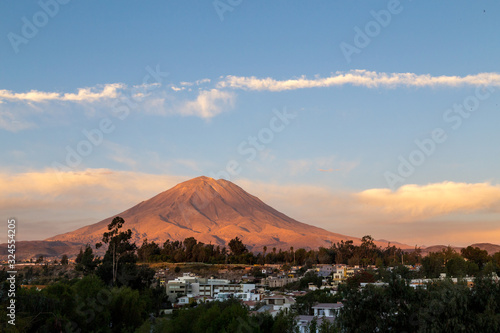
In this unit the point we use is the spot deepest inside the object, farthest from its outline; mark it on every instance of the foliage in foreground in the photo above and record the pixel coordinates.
(441, 307)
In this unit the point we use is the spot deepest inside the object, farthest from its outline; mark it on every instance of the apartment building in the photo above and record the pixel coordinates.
(188, 285)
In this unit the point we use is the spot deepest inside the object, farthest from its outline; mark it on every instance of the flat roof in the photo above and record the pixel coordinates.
(328, 306)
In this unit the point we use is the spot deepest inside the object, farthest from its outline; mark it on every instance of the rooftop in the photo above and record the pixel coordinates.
(328, 306)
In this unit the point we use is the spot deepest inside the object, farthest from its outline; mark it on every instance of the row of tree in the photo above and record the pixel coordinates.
(441, 306)
(190, 250)
(118, 266)
(470, 261)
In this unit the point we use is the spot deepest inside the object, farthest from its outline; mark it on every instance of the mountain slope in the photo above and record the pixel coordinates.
(212, 211)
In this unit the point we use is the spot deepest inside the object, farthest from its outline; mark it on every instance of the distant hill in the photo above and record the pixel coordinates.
(34, 249)
(491, 248)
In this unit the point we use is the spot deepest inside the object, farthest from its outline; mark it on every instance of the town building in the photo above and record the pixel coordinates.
(193, 286)
(322, 311)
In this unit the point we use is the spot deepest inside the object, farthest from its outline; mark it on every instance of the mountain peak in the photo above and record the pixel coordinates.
(201, 178)
(212, 211)
(201, 186)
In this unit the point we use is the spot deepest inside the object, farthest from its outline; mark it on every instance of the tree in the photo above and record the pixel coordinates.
(127, 309)
(496, 259)
(433, 264)
(237, 247)
(190, 244)
(324, 255)
(64, 260)
(456, 266)
(300, 256)
(476, 255)
(368, 250)
(85, 260)
(148, 251)
(285, 322)
(265, 250)
(119, 245)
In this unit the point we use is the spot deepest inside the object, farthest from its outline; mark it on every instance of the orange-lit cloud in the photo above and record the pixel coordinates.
(93, 188)
(414, 201)
(442, 213)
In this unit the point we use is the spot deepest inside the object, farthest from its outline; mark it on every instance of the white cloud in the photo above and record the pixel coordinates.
(174, 88)
(106, 91)
(208, 104)
(20, 110)
(364, 78)
(197, 82)
(20, 107)
(11, 123)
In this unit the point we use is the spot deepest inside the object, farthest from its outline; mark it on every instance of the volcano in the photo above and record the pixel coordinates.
(212, 211)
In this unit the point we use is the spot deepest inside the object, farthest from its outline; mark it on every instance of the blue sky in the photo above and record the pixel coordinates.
(196, 82)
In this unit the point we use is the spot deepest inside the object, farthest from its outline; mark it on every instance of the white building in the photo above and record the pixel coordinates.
(277, 303)
(196, 286)
(322, 311)
(330, 310)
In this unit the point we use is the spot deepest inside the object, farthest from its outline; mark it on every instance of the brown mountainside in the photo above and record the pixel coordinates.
(212, 211)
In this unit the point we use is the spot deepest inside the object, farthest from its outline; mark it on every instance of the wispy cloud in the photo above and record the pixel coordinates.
(364, 78)
(184, 85)
(204, 98)
(328, 170)
(208, 104)
(195, 83)
(11, 123)
(21, 109)
(83, 95)
(120, 154)
(322, 164)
